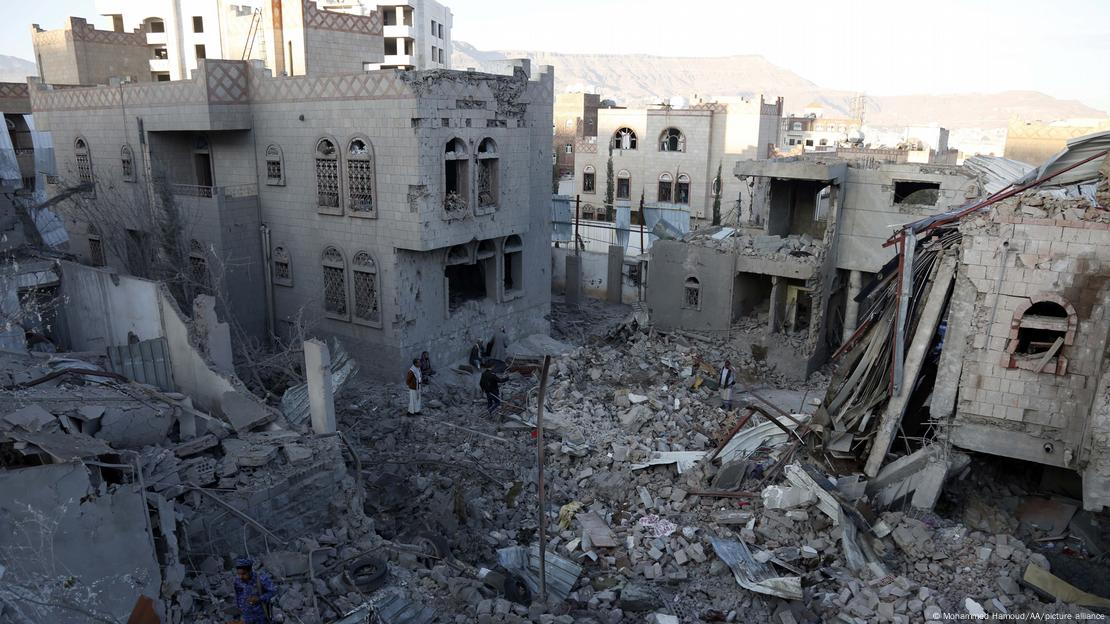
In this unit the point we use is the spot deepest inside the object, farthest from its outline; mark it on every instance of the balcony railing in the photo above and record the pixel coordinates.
(231, 191)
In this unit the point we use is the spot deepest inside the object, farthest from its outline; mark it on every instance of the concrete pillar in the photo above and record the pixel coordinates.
(777, 312)
(321, 397)
(614, 278)
(573, 288)
(851, 306)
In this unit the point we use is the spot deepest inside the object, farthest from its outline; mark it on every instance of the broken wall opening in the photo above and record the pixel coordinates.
(1041, 325)
(916, 193)
(513, 261)
(799, 308)
(796, 208)
(751, 295)
(465, 282)
(456, 186)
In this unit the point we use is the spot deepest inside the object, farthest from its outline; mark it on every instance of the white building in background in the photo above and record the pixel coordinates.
(178, 32)
(417, 32)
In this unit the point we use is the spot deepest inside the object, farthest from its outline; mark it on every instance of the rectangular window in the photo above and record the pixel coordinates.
(335, 291)
(161, 54)
(201, 52)
(809, 142)
(568, 149)
(366, 296)
(465, 282)
(513, 272)
(435, 54)
(624, 188)
(441, 31)
(198, 24)
(157, 26)
(588, 182)
(664, 191)
(917, 193)
(441, 62)
(96, 252)
(273, 172)
(433, 28)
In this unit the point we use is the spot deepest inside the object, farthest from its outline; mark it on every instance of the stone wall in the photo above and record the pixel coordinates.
(1013, 261)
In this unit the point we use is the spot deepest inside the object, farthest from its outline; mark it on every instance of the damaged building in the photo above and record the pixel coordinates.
(988, 334)
(786, 278)
(403, 211)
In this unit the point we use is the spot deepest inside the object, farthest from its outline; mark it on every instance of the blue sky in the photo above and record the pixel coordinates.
(883, 47)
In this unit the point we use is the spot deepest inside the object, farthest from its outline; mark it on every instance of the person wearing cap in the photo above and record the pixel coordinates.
(254, 593)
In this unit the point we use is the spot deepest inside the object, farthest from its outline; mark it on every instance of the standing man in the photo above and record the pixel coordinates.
(413, 378)
(426, 370)
(491, 386)
(254, 593)
(727, 381)
(498, 345)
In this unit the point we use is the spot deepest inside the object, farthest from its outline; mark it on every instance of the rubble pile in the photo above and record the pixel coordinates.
(794, 247)
(1055, 204)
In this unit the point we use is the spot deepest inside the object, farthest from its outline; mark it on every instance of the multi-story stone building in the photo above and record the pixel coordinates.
(575, 119)
(417, 32)
(788, 277)
(400, 211)
(672, 156)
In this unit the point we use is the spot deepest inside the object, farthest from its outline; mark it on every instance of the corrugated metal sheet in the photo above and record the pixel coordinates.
(390, 607)
(997, 172)
(294, 403)
(1078, 149)
(145, 362)
(562, 573)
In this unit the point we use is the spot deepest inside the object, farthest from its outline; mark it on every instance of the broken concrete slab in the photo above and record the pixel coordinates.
(1050, 585)
(780, 497)
(244, 412)
(134, 428)
(30, 418)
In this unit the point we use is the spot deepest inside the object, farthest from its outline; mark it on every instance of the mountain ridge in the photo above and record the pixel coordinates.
(639, 79)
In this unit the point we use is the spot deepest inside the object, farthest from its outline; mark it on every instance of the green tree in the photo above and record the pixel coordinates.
(717, 188)
(609, 183)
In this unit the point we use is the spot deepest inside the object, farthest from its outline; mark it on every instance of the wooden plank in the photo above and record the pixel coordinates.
(1048, 355)
(1036, 321)
(923, 337)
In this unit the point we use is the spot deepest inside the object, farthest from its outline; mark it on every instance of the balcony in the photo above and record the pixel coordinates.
(398, 31)
(156, 38)
(392, 60)
(160, 65)
(234, 191)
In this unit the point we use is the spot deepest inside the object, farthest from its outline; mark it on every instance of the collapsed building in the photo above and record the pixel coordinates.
(403, 211)
(787, 277)
(987, 334)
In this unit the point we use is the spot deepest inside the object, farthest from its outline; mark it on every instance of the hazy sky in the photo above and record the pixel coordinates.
(883, 47)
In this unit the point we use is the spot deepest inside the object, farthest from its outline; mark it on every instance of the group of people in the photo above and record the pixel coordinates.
(421, 372)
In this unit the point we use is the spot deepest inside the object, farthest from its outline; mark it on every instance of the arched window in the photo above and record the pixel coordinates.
(672, 140)
(127, 163)
(335, 283)
(275, 166)
(666, 188)
(327, 175)
(365, 277)
(624, 184)
(1039, 331)
(589, 179)
(682, 189)
(456, 181)
(283, 267)
(823, 142)
(624, 139)
(96, 247)
(360, 178)
(83, 159)
(796, 126)
(489, 189)
(198, 267)
(691, 297)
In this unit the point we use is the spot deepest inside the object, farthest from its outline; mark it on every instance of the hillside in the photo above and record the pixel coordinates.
(637, 79)
(15, 69)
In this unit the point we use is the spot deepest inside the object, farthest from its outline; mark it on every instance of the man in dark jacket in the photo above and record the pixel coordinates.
(491, 386)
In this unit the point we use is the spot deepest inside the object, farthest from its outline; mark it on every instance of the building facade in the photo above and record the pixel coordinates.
(788, 278)
(399, 211)
(417, 32)
(575, 119)
(671, 156)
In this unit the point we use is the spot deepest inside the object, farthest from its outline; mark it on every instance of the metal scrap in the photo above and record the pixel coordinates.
(753, 575)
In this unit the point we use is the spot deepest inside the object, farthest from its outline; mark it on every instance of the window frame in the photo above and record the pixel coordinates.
(682, 183)
(664, 193)
(487, 155)
(623, 176)
(273, 154)
(281, 256)
(349, 161)
(363, 263)
(336, 261)
(462, 179)
(321, 191)
(127, 163)
(687, 288)
(667, 135)
(633, 141)
(82, 158)
(590, 171)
